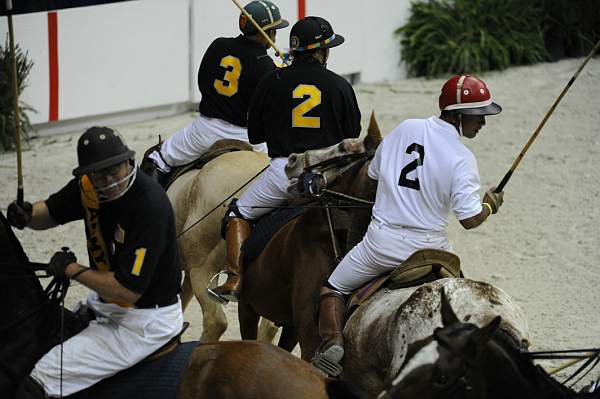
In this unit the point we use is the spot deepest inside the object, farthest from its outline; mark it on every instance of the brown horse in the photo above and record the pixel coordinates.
(254, 370)
(282, 284)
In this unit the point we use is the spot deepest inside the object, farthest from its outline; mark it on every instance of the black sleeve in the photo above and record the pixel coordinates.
(256, 133)
(137, 258)
(65, 205)
(351, 121)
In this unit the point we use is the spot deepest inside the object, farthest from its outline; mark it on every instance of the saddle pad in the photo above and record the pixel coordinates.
(265, 228)
(157, 379)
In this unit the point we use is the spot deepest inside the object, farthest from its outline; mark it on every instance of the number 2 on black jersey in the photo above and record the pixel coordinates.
(404, 181)
(233, 69)
(299, 118)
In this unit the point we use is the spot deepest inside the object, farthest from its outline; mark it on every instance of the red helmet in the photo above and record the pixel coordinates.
(468, 95)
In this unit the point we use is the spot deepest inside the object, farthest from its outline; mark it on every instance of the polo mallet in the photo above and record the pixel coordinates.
(15, 92)
(278, 52)
(541, 125)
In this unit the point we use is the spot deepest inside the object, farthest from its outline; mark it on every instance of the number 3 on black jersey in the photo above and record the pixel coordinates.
(299, 118)
(404, 181)
(233, 69)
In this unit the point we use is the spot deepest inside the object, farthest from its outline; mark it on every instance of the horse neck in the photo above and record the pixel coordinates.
(359, 185)
(510, 373)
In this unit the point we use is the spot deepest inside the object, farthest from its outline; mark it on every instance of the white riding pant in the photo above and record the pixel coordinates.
(382, 249)
(270, 190)
(118, 339)
(189, 143)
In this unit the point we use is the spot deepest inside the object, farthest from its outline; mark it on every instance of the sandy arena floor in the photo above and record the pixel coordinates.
(543, 245)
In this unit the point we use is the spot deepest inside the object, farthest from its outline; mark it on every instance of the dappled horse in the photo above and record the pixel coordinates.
(32, 325)
(283, 285)
(196, 196)
(461, 360)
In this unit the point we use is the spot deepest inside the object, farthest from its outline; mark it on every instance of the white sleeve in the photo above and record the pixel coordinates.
(465, 198)
(375, 165)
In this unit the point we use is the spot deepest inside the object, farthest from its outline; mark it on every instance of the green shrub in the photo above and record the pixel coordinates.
(571, 27)
(7, 110)
(447, 37)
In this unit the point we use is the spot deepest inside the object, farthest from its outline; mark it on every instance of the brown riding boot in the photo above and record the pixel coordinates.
(332, 310)
(237, 232)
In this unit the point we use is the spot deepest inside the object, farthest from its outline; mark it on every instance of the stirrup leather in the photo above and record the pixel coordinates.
(328, 361)
(212, 285)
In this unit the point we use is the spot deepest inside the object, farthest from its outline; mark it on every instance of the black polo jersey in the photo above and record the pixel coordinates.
(230, 70)
(139, 232)
(302, 107)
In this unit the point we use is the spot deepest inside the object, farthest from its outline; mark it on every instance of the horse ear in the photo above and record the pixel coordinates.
(448, 315)
(482, 336)
(373, 137)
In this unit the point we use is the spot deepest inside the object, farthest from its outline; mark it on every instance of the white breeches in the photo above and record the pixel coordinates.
(118, 339)
(382, 249)
(270, 190)
(189, 143)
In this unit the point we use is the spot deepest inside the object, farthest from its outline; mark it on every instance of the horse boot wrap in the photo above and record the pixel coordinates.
(331, 327)
(238, 231)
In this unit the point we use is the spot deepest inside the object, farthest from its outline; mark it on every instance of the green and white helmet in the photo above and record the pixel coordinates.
(265, 14)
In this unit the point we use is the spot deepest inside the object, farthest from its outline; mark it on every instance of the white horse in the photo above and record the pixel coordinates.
(202, 250)
(378, 334)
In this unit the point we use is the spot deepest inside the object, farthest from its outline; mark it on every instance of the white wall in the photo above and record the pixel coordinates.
(143, 54)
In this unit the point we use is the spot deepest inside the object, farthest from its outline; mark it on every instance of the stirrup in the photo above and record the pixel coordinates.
(212, 294)
(328, 361)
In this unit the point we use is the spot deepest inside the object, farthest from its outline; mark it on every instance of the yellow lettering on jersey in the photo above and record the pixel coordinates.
(140, 254)
(298, 113)
(233, 68)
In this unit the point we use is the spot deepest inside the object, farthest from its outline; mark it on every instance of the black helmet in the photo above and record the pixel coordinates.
(311, 33)
(99, 148)
(265, 14)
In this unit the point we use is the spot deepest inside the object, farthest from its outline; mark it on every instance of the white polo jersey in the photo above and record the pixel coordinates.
(424, 172)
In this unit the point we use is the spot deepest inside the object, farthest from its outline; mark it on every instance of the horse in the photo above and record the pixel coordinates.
(196, 197)
(34, 323)
(283, 282)
(461, 360)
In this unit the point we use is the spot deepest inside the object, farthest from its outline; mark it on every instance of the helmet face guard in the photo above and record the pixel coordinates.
(467, 95)
(265, 14)
(311, 33)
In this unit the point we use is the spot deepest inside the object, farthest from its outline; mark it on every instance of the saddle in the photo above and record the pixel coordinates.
(423, 266)
(218, 148)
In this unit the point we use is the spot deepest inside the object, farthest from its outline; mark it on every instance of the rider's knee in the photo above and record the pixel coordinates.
(329, 290)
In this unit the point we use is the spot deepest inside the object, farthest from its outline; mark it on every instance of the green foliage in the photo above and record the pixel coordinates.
(571, 27)
(7, 110)
(469, 36)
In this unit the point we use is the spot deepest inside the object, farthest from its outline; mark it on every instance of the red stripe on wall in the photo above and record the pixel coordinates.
(301, 9)
(53, 64)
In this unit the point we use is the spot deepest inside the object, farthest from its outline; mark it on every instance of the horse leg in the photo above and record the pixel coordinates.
(288, 339)
(248, 320)
(266, 330)
(214, 321)
(186, 291)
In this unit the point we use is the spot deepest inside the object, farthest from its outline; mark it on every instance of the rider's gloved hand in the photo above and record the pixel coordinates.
(494, 199)
(59, 262)
(19, 215)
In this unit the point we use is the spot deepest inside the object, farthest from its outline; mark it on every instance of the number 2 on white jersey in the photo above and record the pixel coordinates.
(410, 183)
(299, 118)
(233, 68)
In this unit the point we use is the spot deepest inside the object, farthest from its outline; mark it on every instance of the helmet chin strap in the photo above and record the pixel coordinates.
(100, 190)
(460, 129)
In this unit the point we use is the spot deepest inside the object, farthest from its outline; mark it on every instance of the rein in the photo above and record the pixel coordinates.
(592, 355)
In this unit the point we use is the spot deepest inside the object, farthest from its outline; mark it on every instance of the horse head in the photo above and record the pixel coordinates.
(462, 360)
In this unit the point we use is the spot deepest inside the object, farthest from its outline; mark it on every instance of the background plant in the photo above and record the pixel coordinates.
(7, 112)
(455, 36)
